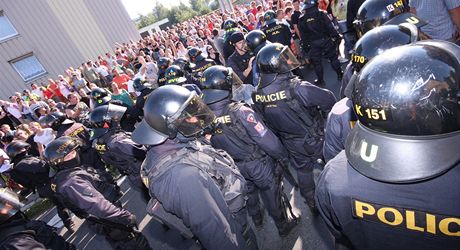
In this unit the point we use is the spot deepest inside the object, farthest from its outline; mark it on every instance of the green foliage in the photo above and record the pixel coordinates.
(177, 14)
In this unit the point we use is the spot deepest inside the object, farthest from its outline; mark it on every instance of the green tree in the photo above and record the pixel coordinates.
(145, 20)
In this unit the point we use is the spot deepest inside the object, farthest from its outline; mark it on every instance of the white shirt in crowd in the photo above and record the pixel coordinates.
(46, 137)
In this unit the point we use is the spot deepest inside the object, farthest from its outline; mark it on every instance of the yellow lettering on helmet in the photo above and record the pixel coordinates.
(444, 226)
(362, 208)
(410, 221)
(358, 110)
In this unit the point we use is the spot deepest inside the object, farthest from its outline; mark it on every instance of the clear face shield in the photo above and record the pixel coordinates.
(193, 118)
(9, 204)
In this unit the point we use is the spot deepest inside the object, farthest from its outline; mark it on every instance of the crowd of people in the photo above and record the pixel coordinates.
(206, 116)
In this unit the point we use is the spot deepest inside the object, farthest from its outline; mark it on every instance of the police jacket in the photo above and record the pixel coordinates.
(228, 49)
(161, 78)
(18, 232)
(278, 32)
(315, 25)
(296, 111)
(239, 63)
(29, 171)
(117, 149)
(242, 133)
(140, 101)
(86, 195)
(188, 183)
(77, 130)
(338, 126)
(376, 215)
(199, 67)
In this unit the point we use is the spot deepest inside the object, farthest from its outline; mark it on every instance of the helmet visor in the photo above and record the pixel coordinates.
(288, 61)
(194, 118)
(9, 204)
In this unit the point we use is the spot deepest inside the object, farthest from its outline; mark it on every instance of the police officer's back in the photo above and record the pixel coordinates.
(341, 118)
(145, 89)
(163, 64)
(33, 173)
(294, 109)
(89, 197)
(277, 32)
(255, 148)
(18, 232)
(396, 184)
(115, 145)
(193, 181)
(199, 62)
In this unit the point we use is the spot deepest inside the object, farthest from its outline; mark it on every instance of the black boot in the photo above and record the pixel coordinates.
(285, 228)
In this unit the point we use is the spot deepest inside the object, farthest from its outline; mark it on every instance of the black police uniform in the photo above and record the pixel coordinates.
(395, 184)
(294, 110)
(278, 32)
(239, 63)
(89, 156)
(340, 121)
(255, 149)
(316, 30)
(199, 66)
(140, 101)
(18, 232)
(187, 188)
(90, 198)
(161, 77)
(117, 149)
(33, 173)
(379, 215)
(228, 47)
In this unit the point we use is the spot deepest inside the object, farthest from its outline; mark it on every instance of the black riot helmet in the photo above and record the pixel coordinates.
(269, 17)
(255, 40)
(194, 54)
(105, 118)
(170, 110)
(275, 59)
(218, 82)
(175, 75)
(380, 39)
(100, 96)
(184, 64)
(229, 24)
(139, 85)
(374, 13)
(164, 63)
(408, 105)
(9, 203)
(54, 120)
(17, 148)
(310, 4)
(57, 151)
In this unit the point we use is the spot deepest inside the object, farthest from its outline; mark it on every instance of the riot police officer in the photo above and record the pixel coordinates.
(199, 62)
(65, 127)
(277, 32)
(89, 197)
(100, 96)
(293, 109)
(115, 145)
(145, 89)
(241, 60)
(341, 119)
(175, 75)
(33, 173)
(255, 40)
(192, 180)
(317, 32)
(163, 64)
(18, 232)
(253, 147)
(230, 26)
(185, 66)
(395, 186)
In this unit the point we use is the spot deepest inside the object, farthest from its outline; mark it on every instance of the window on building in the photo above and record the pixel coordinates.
(28, 67)
(6, 28)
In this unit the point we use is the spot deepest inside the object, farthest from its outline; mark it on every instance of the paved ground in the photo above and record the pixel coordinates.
(311, 233)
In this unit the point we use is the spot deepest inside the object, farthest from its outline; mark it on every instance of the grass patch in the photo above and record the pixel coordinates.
(38, 208)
